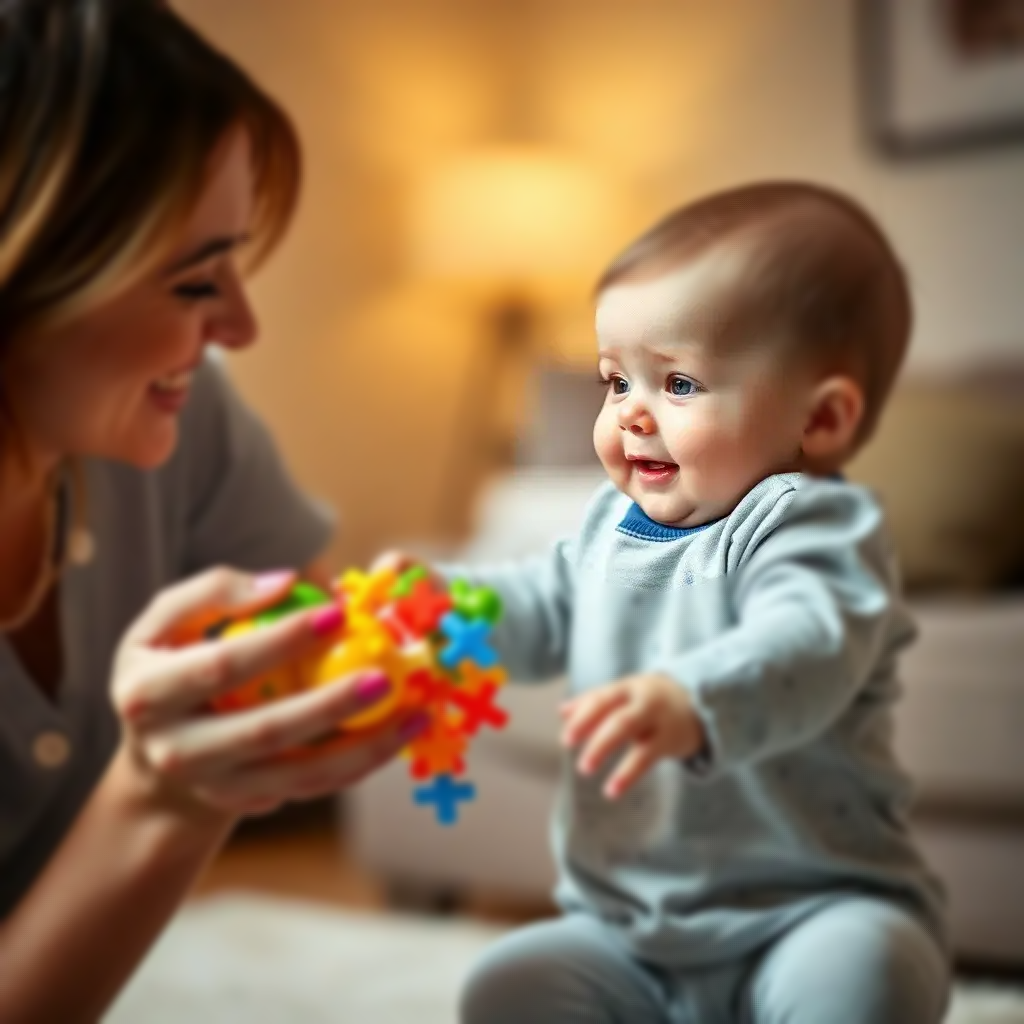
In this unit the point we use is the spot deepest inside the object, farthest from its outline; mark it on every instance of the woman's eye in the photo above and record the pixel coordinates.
(682, 387)
(194, 291)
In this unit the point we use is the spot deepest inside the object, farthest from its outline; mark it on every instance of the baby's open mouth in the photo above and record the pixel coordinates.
(654, 471)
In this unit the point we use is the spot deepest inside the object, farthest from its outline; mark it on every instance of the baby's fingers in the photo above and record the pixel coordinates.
(636, 762)
(583, 715)
(616, 729)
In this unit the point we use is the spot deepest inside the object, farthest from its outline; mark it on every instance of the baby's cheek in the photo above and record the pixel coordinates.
(608, 444)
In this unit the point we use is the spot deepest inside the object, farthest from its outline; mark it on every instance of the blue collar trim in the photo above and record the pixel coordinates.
(636, 523)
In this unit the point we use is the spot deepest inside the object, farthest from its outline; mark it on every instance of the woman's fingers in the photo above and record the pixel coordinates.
(393, 561)
(183, 612)
(584, 714)
(256, 789)
(193, 749)
(399, 562)
(155, 686)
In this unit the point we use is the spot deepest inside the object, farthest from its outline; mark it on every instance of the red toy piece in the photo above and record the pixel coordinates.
(424, 608)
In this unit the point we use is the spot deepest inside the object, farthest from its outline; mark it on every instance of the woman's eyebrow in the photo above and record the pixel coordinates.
(213, 247)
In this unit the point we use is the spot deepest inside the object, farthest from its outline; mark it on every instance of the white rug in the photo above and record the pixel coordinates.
(246, 959)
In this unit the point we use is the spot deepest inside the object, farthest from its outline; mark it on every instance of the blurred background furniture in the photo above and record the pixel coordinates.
(373, 341)
(949, 463)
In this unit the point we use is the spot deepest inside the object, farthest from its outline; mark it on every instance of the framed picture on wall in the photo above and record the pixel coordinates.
(942, 75)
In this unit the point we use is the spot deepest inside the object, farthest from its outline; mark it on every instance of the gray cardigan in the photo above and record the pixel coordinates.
(223, 498)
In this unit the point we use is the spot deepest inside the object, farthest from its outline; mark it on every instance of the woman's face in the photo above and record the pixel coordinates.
(112, 383)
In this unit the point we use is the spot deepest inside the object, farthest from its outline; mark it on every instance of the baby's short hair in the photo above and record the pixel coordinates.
(816, 265)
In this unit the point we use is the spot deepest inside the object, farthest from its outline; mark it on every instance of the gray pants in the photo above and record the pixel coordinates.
(858, 961)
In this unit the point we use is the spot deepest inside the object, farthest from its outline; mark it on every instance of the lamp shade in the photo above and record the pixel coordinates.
(528, 219)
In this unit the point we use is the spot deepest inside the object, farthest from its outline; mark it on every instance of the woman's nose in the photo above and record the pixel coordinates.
(235, 324)
(636, 417)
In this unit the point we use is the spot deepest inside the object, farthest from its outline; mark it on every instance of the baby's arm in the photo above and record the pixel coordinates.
(818, 612)
(532, 637)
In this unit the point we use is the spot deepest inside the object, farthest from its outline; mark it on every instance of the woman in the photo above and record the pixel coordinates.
(137, 167)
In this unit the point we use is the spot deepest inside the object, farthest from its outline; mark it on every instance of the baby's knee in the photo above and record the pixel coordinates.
(859, 963)
(509, 984)
(561, 972)
(491, 992)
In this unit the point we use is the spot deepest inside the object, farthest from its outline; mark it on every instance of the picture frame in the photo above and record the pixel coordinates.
(940, 76)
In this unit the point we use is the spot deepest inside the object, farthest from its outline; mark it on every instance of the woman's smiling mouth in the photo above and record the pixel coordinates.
(170, 392)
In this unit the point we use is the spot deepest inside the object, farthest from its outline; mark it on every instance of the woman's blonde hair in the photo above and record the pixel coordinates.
(109, 113)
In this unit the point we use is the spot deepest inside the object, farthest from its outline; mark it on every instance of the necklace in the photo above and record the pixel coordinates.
(66, 540)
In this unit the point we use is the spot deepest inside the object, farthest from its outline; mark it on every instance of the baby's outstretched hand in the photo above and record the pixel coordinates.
(651, 714)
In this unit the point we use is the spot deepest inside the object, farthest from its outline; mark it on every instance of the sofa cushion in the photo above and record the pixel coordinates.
(948, 464)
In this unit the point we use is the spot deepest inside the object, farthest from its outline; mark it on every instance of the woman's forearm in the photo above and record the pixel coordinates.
(118, 877)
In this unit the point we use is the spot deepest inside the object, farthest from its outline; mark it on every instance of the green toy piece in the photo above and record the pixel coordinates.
(302, 595)
(475, 603)
(408, 580)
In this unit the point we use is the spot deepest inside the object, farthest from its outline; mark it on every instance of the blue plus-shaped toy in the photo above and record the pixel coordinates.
(445, 794)
(466, 640)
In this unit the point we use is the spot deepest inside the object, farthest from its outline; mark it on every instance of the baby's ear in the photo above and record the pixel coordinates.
(836, 411)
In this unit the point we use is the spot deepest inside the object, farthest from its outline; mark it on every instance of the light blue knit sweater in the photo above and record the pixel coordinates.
(784, 621)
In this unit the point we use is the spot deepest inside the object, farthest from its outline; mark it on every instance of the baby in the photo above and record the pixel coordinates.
(731, 839)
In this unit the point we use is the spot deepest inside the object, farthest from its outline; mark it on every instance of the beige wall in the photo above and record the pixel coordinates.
(361, 369)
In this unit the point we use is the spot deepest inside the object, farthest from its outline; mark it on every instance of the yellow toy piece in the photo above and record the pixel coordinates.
(366, 592)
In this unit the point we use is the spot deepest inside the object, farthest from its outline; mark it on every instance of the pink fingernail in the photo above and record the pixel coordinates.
(415, 726)
(371, 688)
(324, 621)
(268, 582)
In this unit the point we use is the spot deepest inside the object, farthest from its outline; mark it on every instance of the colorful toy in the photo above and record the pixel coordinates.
(433, 644)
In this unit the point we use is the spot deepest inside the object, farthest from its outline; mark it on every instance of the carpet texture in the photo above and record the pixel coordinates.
(243, 959)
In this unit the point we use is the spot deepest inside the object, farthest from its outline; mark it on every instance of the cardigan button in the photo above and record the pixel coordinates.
(51, 750)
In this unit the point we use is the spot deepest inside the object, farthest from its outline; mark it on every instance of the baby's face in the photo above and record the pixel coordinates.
(689, 425)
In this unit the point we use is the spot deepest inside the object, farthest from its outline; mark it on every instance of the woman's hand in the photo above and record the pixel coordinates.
(251, 761)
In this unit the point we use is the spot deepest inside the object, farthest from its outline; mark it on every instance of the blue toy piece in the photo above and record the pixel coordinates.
(466, 640)
(445, 794)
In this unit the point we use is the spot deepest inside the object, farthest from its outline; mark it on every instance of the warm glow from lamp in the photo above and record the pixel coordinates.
(517, 220)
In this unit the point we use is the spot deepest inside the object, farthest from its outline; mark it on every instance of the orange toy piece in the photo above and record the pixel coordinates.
(427, 690)
(472, 677)
(366, 592)
(267, 687)
(438, 752)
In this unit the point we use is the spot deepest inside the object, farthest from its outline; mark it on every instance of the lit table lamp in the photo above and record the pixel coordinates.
(514, 229)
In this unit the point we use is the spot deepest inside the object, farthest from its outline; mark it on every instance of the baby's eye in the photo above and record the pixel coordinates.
(682, 387)
(618, 385)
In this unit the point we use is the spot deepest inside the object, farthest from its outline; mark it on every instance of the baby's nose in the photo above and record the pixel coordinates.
(637, 420)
